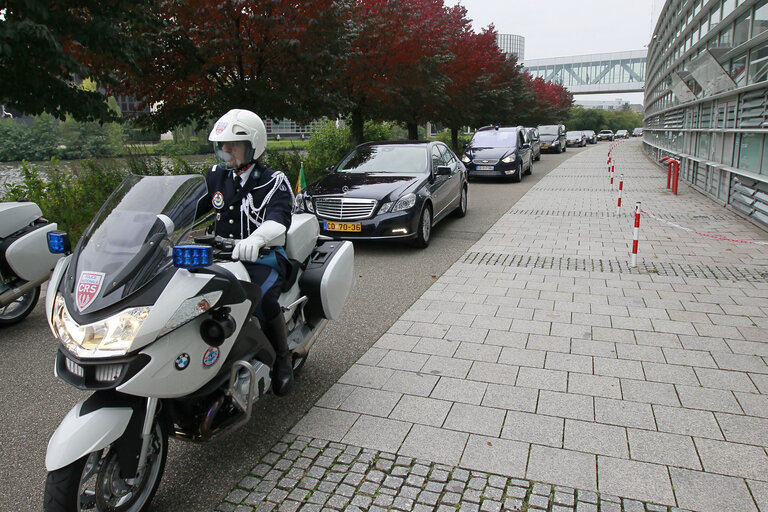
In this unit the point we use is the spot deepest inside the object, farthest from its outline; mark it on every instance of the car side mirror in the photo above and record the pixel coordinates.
(466, 145)
(443, 170)
(526, 146)
(329, 169)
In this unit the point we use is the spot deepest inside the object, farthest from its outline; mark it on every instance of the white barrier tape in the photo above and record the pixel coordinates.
(716, 237)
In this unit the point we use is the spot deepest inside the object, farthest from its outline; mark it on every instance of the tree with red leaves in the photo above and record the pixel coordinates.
(270, 56)
(552, 101)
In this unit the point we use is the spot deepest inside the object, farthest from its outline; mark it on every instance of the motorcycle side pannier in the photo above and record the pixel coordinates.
(328, 279)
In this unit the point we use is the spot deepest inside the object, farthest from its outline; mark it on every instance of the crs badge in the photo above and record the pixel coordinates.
(210, 357)
(221, 127)
(218, 200)
(88, 288)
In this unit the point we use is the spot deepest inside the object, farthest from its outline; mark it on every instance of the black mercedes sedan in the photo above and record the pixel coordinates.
(388, 190)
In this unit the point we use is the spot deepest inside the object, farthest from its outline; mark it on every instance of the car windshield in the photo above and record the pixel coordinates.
(386, 159)
(548, 130)
(573, 135)
(605, 131)
(494, 139)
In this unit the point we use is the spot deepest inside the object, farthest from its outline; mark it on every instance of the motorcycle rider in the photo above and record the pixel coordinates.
(253, 205)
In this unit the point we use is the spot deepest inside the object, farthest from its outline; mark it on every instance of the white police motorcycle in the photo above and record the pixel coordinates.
(164, 335)
(25, 263)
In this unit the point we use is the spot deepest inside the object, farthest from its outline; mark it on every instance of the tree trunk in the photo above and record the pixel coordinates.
(357, 126)
(413, 131)
(455, 140)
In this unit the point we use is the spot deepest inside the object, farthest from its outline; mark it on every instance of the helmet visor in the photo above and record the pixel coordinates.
(233, 154)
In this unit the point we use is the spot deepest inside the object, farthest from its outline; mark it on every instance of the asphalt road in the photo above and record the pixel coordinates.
(390, 277)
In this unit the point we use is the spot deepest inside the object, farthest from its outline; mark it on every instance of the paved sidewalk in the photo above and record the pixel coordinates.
(542, 373)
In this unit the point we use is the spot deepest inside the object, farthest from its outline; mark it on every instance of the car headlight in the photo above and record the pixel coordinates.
(404, 203)
(114, 335)
(385, 207)
(466, 159)
(509, 158)
(308, 206)
(298, 204)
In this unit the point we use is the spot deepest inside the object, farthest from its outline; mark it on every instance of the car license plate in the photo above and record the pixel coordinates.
(343, 226)
(544, 147)
(484, 167)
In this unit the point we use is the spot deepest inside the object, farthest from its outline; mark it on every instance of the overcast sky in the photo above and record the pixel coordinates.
(559, 28)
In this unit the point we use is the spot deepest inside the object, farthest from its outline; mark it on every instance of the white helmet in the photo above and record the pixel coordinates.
(242, 125)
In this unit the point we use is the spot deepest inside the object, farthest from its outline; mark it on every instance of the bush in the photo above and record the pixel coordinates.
(445, 136)
(71, 196)
(20, 142)
(185, 147)
(325, 147)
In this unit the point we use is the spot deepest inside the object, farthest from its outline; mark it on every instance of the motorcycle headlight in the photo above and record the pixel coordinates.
(509, 158)
(111, 336)
(405, 202)
(466, 159)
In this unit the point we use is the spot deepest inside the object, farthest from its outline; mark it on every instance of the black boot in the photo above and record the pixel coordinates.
(282, 374)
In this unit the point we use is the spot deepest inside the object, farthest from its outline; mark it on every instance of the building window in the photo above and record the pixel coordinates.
(760, 23)
(750, 150)
(728, 7)
(758, 64)
(738, 68)
(741, 32)
(702, 148)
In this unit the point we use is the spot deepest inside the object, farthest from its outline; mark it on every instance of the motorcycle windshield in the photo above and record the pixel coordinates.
(131, 239)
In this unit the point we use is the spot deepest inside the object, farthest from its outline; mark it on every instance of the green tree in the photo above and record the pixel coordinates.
(46, 45)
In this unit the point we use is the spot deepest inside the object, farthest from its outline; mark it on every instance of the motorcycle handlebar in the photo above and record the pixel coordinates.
(222, 247)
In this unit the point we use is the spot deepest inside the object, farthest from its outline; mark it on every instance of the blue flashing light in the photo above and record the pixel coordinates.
(192, 256)
(58, 242)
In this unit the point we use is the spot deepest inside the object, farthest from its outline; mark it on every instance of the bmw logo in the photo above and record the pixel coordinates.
(182, 361)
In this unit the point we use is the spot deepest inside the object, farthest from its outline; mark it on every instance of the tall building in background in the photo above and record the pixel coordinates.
(512, 44)
(706, 99)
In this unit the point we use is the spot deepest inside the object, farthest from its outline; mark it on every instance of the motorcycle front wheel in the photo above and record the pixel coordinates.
(18, 310)
(94, 482)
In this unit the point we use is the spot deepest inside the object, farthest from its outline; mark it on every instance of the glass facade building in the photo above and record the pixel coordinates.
(512, 44)
(706, 99)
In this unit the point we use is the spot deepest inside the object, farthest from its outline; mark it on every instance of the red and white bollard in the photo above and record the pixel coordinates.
(621, 187)
(613, 171)
(633, 262)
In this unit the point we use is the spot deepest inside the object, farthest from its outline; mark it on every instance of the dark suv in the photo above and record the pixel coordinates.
(499, 151)
(553, 137)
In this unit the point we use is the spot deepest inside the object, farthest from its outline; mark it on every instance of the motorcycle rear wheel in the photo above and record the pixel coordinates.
(18, 310)
(93, 482)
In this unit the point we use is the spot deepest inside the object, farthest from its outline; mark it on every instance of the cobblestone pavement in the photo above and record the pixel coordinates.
(301, 473)
(540, 358)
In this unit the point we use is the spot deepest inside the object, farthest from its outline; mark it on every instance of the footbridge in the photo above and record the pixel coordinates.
(593, 74)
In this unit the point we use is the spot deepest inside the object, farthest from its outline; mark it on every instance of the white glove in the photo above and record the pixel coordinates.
(247, 249)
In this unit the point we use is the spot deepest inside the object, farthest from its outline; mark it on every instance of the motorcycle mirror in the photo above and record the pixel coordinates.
(58, 242)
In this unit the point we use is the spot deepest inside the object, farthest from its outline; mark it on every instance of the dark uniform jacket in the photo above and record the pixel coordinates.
(240, 210)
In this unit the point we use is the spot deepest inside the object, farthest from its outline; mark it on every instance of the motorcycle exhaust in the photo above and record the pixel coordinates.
(14, 293)
(303, 349)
